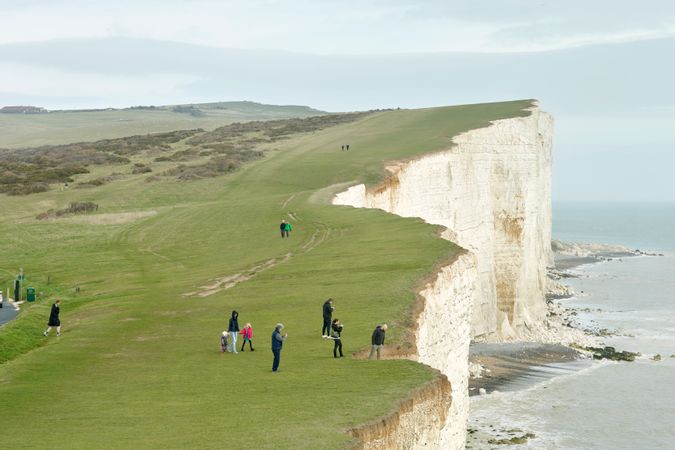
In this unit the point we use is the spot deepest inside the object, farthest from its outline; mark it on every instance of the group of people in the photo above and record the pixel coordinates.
(285, 228)
(228, 339)
(345, 147)
(332, 329)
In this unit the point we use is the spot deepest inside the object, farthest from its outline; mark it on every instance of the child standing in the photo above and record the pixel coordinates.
(224, 340)
(336, 335)
(247, 333)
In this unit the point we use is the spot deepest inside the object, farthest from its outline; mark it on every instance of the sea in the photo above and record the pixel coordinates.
(603, 404)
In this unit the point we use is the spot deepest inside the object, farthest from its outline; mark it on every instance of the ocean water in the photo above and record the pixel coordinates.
(644, 226)
(607, 405)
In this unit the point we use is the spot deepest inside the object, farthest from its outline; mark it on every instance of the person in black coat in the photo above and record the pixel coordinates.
(377, 340)
(233, 329)
(54, 319)
(337, 337)
(327, 317)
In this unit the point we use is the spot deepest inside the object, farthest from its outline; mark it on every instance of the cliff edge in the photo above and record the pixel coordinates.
(491, 190)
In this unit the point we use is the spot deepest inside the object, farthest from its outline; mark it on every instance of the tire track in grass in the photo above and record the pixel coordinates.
(321, 233)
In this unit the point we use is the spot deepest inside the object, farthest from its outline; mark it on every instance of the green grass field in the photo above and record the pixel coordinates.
(138, 364)
(64, 127)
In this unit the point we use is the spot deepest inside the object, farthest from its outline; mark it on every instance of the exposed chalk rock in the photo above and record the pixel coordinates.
(492, 192)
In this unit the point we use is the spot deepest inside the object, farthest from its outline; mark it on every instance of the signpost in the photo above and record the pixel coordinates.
(18, 285)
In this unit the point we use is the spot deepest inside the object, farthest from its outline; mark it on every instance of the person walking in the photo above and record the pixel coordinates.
(327, 317)
(247, 333)
(343, 147)
(277, 343)
(288, 228)
(347, 147)
(282, 228)
(54, 319)
(233, 329)
(377, 340)
(337, 337)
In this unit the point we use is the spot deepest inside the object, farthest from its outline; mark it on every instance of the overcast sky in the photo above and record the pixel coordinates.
(603, 68)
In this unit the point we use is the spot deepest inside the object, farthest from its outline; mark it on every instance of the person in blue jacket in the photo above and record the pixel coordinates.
(277, 343)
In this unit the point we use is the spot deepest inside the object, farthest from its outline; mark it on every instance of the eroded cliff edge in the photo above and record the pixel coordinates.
(491, 190)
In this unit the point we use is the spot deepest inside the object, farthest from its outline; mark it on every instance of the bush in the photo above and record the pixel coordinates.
(96, 182)
(24, 188)
(72, 209)
(140, 168)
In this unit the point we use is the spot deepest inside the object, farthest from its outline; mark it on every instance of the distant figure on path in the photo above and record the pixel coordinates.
(347, 146)
(288, 227)
(54, 319)
(337, 337)
(224, 340)
(247, 333)
(343, 147)
(282, 228)
(233, 328)
(277, 342)
(377, 340)
(327, 311)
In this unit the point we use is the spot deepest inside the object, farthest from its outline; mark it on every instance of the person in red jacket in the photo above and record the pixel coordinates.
(247, 333)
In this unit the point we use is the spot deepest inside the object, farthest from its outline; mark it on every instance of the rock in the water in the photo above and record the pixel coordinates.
(515, 440)
(611, 354)
(656, 357)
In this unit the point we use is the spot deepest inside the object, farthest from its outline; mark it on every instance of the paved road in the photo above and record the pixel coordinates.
(7, 312)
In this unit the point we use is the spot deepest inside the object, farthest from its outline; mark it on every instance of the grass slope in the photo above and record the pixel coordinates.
(137, 365)
(64, 127)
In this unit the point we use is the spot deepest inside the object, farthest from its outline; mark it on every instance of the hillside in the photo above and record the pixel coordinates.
(137, 365)
(65, 126)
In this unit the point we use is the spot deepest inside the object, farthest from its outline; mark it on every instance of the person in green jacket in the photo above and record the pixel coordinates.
(288, 228)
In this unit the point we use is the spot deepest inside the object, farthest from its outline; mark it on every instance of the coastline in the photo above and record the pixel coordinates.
(518, 371)
(555, 347)
(517, 365)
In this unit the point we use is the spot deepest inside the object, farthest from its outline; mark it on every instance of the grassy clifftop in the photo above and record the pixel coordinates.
(137, 365)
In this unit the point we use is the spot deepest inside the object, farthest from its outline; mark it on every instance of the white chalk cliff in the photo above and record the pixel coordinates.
(491, 190)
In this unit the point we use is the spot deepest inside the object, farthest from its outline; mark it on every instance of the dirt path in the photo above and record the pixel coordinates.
(285, 203)
(321, 233)
(230, 281)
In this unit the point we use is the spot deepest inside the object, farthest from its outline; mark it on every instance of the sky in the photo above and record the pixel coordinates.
(604, 69)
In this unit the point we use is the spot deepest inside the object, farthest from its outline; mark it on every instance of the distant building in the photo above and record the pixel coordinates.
(22, 110)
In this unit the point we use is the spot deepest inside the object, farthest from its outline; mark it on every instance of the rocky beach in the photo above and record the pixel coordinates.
(603, 390)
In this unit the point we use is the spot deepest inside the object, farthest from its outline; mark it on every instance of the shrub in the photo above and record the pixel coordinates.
(140, 168)
(72, 209)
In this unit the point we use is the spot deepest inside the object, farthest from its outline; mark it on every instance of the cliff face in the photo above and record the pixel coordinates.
(443, 337)
(491, 191)
(417, 422)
